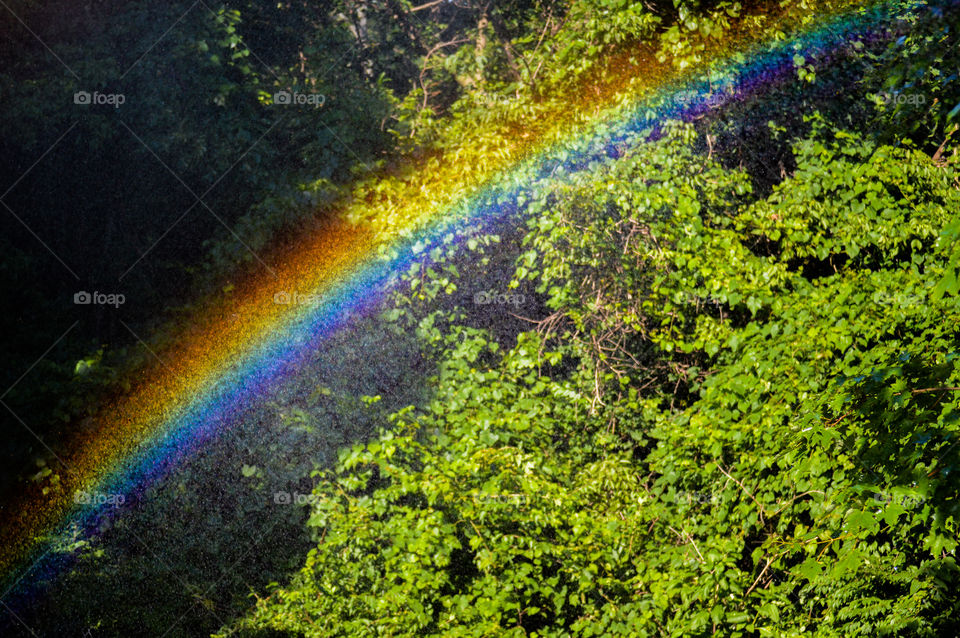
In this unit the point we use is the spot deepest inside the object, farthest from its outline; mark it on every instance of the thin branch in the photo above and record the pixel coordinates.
(426, 6)
(757, 581)
(921, 391)
(690, 538)
(426, 59)
(763, 512)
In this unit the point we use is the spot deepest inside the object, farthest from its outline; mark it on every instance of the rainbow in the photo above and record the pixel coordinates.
(240, 349)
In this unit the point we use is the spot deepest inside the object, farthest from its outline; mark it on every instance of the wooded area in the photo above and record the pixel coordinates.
(671, 345)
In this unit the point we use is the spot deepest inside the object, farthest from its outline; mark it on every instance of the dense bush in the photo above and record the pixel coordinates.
(739, 416)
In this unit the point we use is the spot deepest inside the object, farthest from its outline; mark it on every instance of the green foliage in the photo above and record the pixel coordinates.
(727, 407)
(739, 417)
(918, 77)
